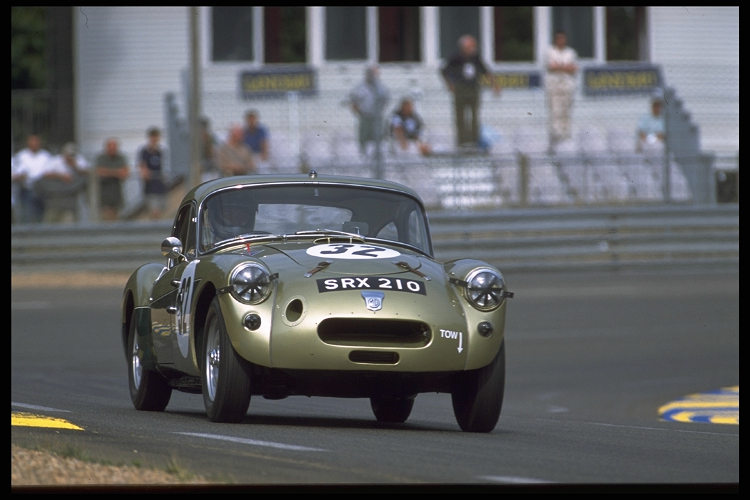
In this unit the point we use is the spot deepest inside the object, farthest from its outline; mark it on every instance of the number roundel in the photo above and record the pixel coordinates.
(351, 251)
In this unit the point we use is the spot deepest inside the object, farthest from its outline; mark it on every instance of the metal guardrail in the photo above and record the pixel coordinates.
(612, 238)
(538, 239)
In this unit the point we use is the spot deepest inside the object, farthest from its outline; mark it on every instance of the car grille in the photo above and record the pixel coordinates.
(374, 332)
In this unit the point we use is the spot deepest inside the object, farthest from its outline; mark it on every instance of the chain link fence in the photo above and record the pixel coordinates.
(598, 165)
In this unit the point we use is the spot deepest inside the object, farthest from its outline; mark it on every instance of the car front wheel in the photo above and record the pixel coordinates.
(225, 376)
(478, 396)
(148, 390)
(392, 409)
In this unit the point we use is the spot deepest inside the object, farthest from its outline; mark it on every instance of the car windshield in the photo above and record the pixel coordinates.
(291, 209)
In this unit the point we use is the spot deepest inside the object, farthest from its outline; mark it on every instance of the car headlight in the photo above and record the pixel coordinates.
(251, 283)
(484, 288)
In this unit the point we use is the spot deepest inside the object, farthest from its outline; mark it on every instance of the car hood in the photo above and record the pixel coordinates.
(343, 259)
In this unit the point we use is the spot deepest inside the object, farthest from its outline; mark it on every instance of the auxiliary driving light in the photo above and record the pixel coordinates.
(251, 321)
(485, 328)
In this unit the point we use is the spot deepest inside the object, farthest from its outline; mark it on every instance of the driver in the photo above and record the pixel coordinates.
(229, 214)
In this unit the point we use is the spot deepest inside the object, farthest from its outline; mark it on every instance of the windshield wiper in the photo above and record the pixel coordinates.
(241, 238)
(328, 232)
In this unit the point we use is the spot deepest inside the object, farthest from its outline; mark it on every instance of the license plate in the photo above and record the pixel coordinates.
(371, 283)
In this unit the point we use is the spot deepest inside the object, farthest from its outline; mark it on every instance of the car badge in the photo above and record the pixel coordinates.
(373, 300)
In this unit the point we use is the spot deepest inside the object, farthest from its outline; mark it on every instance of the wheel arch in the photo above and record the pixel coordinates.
(128, 306)
(137, 295)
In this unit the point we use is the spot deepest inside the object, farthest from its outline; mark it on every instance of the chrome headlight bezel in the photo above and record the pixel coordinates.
(251, 283)
(485, 289)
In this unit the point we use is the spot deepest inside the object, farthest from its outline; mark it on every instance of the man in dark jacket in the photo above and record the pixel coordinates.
(462, 74)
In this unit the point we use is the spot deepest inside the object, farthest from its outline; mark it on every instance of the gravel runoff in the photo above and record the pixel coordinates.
(39, 468)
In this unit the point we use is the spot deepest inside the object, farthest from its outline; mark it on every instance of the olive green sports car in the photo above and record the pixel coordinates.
(315, 285)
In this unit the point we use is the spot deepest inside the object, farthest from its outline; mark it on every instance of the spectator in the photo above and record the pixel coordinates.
(152, 160)
(651, 127)
(562, 66)
(407, 129)
(27, 167)
(368, 101)
(111, 169)
(462, 74)
(256, 137)
(62, 185)
(209, 167)
(234, 157)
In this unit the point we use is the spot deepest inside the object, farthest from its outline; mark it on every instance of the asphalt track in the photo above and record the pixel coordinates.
(613, 379)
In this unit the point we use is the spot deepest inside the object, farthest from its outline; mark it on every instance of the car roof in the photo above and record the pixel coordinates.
(201, 191)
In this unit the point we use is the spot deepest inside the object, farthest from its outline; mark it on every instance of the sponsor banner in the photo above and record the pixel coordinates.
(371, 283)
(513, 80)
(616, 79)
(277, 82)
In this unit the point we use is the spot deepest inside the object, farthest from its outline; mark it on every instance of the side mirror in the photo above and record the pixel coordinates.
(171, 247)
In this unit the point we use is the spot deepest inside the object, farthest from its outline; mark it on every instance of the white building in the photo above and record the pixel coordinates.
(128, 59)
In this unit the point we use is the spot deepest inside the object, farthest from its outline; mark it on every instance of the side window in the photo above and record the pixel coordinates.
(285, 35)
(514, 33)
(455, 22)
(232, 34)
(400, 34)
(345, 30)
(578, 24)
(190, 242)
(184, 229)
(626, 34)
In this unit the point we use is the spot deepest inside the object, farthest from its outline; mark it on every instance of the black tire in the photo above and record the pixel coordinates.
(225, 376)
(393, 410)
(478, 397)
(149, 391)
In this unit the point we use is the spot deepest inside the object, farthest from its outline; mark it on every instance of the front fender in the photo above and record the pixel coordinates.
(139, 286)
(482, 348)
(136, 298)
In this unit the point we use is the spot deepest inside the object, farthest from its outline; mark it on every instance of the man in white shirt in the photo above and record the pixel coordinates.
(62, 184)
(27, 167)
(562, 67)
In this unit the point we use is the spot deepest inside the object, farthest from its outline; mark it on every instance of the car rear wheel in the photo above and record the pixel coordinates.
(392, 409)
(148, 390)
(478, 396)
(225, 376)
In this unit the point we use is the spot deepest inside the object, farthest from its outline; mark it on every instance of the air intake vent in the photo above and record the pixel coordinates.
(374, 332)
(377, 357)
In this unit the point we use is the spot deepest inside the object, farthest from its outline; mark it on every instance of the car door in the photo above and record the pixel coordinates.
(172, 295)
(185, 280)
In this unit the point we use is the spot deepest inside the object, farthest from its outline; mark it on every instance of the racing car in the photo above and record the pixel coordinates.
(280, 285)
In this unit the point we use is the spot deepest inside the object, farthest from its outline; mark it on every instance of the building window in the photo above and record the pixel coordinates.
(454, 22)
(578, 25)
(285, 39)
(626, 33)
(232, 34)
(514, 33)
(399, 34)
(346, 30)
